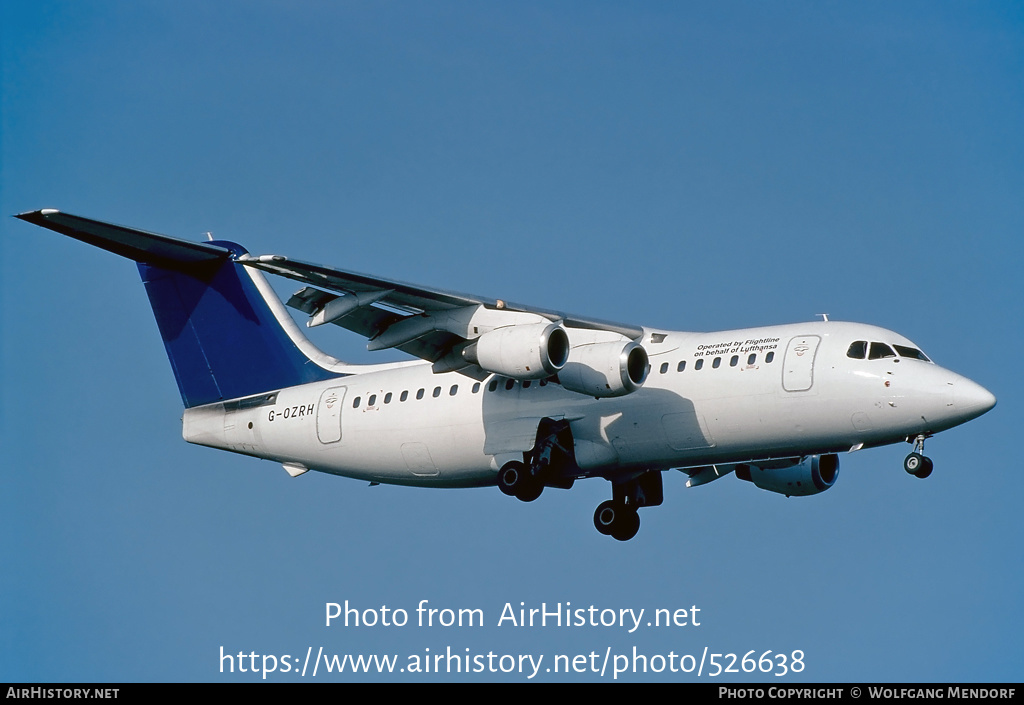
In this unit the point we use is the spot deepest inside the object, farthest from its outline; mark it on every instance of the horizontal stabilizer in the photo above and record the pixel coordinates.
(138, 245)
(226, 334)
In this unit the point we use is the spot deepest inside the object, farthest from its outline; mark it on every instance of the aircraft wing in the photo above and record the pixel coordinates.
(413, 298)
(424, 322)
(437, 325)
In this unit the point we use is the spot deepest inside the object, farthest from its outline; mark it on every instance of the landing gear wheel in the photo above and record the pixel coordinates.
(510, 477)
(626, 526)
(918, 465)
(529, 490)
(616, 520)
(515, 481)
(925, 469)
(604, 517)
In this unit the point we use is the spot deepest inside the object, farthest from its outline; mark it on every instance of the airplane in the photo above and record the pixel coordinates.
(515, 396)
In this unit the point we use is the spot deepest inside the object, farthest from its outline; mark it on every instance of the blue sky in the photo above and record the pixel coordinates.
(681, 165)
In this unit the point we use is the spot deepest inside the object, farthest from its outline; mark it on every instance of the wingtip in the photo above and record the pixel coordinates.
(28, 215)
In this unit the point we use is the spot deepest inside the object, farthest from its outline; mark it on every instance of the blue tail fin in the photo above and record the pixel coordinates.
(222, 339)
(221, 336)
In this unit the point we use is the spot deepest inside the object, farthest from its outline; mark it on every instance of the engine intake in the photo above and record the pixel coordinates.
(605, 369)
(809, 475)
(532, 351)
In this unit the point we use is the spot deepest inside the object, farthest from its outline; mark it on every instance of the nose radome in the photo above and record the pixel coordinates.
(972, 399)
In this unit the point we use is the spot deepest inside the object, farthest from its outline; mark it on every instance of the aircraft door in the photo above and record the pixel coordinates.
(328, 415)
(798, 367)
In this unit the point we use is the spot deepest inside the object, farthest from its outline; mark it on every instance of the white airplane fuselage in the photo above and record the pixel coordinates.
(759, 394)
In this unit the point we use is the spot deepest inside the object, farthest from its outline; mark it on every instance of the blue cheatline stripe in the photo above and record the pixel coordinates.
(221, 337)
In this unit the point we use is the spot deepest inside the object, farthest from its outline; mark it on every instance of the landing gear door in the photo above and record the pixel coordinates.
(798, 368)
(328, 415)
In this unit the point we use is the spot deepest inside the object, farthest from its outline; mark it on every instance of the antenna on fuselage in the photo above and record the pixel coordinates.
(824, 316)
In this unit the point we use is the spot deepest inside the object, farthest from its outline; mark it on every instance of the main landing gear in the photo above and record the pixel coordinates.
(551, 462)
(515, 480)
(917, 464)
(618, 516)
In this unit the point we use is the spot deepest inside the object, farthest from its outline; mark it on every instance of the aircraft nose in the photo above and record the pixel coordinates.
(971, 399)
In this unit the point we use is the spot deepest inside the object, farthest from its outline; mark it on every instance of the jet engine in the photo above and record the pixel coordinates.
(605, 369)
(804, 476)
(532, 351)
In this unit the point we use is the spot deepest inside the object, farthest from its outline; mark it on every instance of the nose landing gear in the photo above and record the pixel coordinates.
(917, 464)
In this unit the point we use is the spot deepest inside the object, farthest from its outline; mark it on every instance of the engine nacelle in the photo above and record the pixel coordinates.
(532, 351)
(809, 475)
(605, 369)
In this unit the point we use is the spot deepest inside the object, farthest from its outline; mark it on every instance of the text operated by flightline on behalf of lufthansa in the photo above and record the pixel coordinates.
(445, 660)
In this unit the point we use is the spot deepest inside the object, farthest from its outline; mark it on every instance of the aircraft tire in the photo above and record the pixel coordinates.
(913, 463)
(926, 468)
(616, 520)
(529, 490)
(626, 526)
(511, 478)
(605, 516)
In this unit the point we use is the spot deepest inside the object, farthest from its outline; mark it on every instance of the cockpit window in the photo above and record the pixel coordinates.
(911, 353)
(879, 351)
(857, 350)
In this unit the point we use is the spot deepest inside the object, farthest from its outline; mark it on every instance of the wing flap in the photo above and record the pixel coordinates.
(369, 321)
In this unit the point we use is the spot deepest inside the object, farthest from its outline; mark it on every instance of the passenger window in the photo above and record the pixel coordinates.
(717, 362)
(699, 364)
(769, 357)
(526, 384)
(734, 360)
(454, 390)
(476, 388)
(405, 395)
(857, 350)
(510, 383)
(493, 385)
(355, 402)
(372, 400)
(664, 367)
(387, 398)
(681, 366)
(752, 359)
(437, 392)
(880, 351)
(419, 393)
